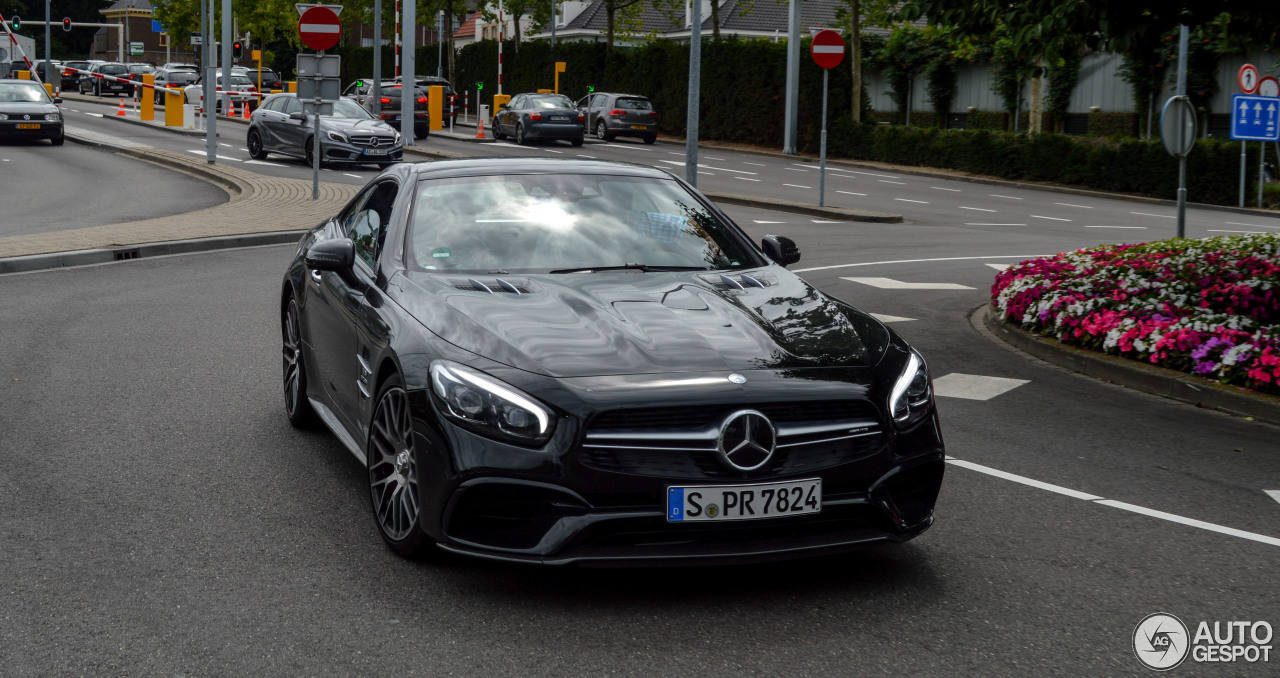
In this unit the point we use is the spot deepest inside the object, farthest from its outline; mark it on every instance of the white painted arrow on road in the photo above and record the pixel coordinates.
(1274, 494)
(891, 284)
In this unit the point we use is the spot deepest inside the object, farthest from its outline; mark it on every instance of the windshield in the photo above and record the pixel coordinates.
(240, 80)
(550, 102)
(23, 93)
(346, 108)
(544, 222)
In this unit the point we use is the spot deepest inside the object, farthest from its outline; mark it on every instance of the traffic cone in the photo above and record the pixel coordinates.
(120, 111)
(246, 110)
(232, 112)
(480, 129)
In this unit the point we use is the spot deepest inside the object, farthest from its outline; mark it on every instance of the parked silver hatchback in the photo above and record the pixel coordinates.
(609, 115)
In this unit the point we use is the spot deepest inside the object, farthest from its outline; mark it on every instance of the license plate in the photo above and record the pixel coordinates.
(639, 127)
(559, 118)
(744, 502)
(397, 117)
(28, 125)
(374, 151)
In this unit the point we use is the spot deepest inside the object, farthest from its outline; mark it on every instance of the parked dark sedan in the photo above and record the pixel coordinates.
(581, 362)
(27, 112)
(94, 82)
(361, 92)
(350, 135)
(610, 115)
(539, 116)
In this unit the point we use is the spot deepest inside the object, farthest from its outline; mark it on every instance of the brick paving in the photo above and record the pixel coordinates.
(258, 204)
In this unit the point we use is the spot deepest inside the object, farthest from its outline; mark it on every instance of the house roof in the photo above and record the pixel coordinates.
(595, 18)
(128, 4)
(468, 27)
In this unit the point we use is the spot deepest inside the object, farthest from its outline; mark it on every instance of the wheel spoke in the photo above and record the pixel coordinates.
(393, 483)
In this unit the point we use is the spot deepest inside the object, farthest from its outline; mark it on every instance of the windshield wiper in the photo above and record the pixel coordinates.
(638, 267)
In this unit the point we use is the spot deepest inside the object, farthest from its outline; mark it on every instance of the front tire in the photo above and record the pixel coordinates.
(650, 138)
(496, 131)
(577, 142)
(310, 151)
(254, 144)
(296, 406)
(58, 140)
(393, 464)
(520, 138)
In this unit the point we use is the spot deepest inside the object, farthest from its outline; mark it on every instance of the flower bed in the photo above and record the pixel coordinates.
(1209, 307)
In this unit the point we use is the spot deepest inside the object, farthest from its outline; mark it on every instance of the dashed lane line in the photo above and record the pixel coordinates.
(886, 181)
(797, 186)
(1067, 204)
(827, 221)
(939, 188)
(219, 157)
(922, 202)
(891, 284)
(870, 174)
(1217, 230)
(1236, 223)
(968, 223)
(792, 169)
(1006, 197)
(586, 156)
(1135, 227)
(852, 193)
(758, 221)
(756, 164)
(977, 209)
(1158, 216)
(702, 166)
(1037, 216)
(917, 261)
(746, 178)
(353, 176)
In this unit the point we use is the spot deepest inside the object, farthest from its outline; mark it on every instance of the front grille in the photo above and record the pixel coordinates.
(372, 141)
(681, 442)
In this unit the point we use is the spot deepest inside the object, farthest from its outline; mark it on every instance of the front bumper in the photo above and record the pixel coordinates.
(507, 503)
(337, 151)
(48, 129)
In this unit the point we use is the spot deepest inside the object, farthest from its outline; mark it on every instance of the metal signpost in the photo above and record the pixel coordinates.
(1178, 134)
(693, 113)
(1254, 118)
(318, 75)
(827, 51)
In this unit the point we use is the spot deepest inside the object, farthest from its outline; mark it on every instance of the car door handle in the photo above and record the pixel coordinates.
(315, 276)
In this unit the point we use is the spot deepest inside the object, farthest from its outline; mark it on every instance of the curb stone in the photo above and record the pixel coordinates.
(1132, 374)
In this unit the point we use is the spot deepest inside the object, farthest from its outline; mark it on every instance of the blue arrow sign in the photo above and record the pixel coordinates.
(156, 27)
(1255, 118)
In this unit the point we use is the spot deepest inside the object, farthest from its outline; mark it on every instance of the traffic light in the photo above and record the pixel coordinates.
(66, 24)
(237, 50)
(479, 85)
(591, 89)
(16, 22)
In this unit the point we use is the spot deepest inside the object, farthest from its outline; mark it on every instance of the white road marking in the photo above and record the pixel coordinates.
(245, 150)
(220, 157)
(939, 188)
(886, 181)
(720, 169)
(982, 224)
(96, 115)
(716, 159)
(225, 144)
(826, 221)
(553, 151)
(1236, 223)
(977, 209)
(870, 174)
(1037, 216)
(1274, 494)
(974, 386)
(1158, 216)
(629, 147)
(852, 193)
(757, 164)
(1024, 480)
(263, 162)
(891, 284)
(674, 153)
(74, 110)
(1000, 267)
(1212, 230)
(922, 202)
(918, 261)
(792, 169)
(706, 173)
(586, 156)
(1076, 494)
(768, 222)
(746, 178)
(1007, 197)
(354, 176)
(891, 318)
(1139, 227)
(1067, 204)
(797, 186)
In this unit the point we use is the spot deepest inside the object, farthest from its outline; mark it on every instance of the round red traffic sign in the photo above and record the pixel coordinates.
(319, 28)
(1247, 78)
(827, 48)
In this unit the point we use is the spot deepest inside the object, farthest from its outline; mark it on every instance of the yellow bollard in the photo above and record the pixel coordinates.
(148, 97)
(49, 88)
(435, 107)
(172, 108)
(293, 85)
(500, 100)
(545, 91)
(560, 66)
(24, 75)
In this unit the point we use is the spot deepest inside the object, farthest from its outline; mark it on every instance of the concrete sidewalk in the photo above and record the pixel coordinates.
(258, 204)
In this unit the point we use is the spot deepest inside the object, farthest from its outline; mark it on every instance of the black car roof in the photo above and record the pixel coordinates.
(472, 167)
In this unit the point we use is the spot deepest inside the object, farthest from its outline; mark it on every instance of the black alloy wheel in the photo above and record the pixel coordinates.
(393, 472)
(520, 138)
(296, 405)
(254, 144)
(602, 133)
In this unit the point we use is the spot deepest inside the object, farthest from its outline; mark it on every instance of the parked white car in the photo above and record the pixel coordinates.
(239, 88)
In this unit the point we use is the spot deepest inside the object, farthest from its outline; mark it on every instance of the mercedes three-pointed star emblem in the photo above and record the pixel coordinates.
(746, 441)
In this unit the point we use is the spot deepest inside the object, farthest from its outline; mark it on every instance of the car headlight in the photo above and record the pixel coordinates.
(479, 402)
(338, 136)
(912, 392)
(398, 138)
(52, 116)
(3, 116)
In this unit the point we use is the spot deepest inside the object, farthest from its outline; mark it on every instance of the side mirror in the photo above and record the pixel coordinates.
(782, 250)
(297, 116)
(57, 100)
(338, 255)
(501, 106)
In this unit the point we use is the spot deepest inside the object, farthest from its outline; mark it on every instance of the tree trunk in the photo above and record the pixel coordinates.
(515, 30)
(1036, 119)
(855, 45)
(608, 13)
(448, 44)
(715, 20)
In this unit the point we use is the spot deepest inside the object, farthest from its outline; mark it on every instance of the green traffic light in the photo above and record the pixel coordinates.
(591, 89)
(17, 23)
(479, 85)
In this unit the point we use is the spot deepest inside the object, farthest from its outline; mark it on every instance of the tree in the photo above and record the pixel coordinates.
(625, 11)
(850, 15)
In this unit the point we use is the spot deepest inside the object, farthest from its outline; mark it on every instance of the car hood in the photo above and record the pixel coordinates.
(357, 125)
(27, 108)
(579, 325)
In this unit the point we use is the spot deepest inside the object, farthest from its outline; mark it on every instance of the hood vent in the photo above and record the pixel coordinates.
(739, 283)
(490, 286)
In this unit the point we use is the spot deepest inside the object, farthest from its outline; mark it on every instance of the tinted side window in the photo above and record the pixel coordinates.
(597, 101)
(291, 105)
(367, 227)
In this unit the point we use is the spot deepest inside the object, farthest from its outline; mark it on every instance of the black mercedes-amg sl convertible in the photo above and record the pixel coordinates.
(583, 362)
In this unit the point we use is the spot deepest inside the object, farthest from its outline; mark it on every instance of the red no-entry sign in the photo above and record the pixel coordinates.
(827, 48)
(319, 28)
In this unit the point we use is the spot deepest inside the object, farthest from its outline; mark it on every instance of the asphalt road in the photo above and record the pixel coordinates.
(52, 188)
(162, 518)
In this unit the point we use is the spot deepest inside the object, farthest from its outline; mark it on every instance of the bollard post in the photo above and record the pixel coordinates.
(149, 99)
